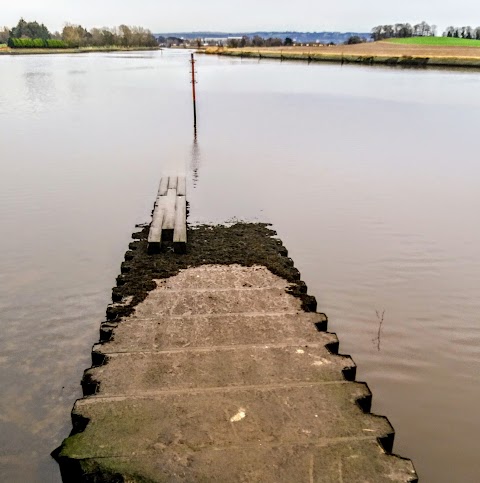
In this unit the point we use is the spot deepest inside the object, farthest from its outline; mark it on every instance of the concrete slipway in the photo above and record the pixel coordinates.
(215, 366)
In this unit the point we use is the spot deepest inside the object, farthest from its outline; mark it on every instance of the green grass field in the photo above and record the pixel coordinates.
(439, 41)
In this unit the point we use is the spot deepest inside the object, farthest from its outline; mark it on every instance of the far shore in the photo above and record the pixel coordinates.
(371, 53)
(80, 50)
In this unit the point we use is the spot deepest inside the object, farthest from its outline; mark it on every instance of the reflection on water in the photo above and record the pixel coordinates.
(369, 176)
(195, 160)
(39, 89)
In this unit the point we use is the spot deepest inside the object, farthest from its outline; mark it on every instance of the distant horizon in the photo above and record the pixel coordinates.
(100, 24)
(259, 30)
(249, 16)
(200, 31)
(440, 28)
(245, 32)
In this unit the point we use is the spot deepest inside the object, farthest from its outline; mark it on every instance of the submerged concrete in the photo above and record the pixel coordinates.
(222, 374)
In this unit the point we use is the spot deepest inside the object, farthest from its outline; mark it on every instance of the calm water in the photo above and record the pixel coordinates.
(369, 175)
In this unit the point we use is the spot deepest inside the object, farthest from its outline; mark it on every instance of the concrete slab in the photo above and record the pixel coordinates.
(337, 462)
(297, 413)
(222, 277)
(164, 332)
(143, 373)
(205, 302)
(219, 375)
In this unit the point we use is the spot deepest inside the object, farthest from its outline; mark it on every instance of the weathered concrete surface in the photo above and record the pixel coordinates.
(220, 375)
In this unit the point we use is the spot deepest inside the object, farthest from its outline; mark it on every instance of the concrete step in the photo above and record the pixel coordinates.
(219, 375)
(167, 332)
(197, 419)
(333, 461)
(206, 302)
(222, 277)
(144, 373)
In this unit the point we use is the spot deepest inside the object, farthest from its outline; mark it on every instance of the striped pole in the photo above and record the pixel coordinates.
(194, 96)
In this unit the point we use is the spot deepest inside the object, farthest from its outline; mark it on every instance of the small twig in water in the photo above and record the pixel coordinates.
(378, 339)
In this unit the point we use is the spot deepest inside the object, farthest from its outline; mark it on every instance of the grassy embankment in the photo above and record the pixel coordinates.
(413, 52)
(4, 50)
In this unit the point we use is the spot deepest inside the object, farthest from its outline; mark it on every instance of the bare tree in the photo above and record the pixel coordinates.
(468, 32)
(257, 41)
(126, 35)
(4, 35)
(233, 43)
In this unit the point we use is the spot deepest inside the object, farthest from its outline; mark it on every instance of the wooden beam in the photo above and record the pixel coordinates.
(155, 232)
(180, 229)
(169, 221)
(168, 203)
(162, 190)
(182, 186)
(172, 183)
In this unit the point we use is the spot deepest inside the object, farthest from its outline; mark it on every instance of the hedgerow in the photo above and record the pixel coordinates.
(36, 44)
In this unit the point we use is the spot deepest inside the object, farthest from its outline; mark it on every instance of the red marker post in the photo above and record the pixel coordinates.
(194, 95)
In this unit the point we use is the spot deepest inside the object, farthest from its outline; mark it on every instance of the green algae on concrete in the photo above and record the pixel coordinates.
(246, 244)
(212, 370)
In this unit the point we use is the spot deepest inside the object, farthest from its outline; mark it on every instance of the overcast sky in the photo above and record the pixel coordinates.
(242, 15)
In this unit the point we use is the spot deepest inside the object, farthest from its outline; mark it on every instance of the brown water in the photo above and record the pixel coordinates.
(370, 176)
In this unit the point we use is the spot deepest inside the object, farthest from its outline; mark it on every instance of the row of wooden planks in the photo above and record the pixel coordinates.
(169, 221)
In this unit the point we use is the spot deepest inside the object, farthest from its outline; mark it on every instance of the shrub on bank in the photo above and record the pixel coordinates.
(24, 43)
(56, 44)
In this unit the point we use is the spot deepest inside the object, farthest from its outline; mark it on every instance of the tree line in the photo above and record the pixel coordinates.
(257, 41)
(403, 30)
(422, 29)
(32, 34)
(462, 32)
(25, 43)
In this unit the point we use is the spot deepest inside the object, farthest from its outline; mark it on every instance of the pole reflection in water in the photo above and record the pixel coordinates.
(195, 160)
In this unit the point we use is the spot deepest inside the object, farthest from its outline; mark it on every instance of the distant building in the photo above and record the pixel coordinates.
(218, 40)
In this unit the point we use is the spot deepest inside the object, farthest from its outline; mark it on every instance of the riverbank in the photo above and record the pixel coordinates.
(372, 53)
(215, 366)
(80, 50)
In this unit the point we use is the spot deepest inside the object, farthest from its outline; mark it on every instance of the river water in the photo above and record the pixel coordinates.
(369, 175)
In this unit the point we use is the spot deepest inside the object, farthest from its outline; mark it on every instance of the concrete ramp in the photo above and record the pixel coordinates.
(220, 375)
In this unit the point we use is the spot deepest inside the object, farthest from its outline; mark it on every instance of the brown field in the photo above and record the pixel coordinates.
(381, 49)
(372, 53)
(387, 53)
